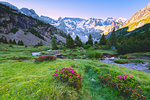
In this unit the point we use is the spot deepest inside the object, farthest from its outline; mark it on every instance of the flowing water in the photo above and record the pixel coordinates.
(135, 66)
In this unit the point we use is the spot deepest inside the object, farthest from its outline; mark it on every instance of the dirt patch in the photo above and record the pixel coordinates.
(107, 55)
(141, 57)
(19, 58)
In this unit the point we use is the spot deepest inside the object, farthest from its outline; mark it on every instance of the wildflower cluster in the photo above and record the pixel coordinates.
(70, 76)
(126, 85)
(45, 58)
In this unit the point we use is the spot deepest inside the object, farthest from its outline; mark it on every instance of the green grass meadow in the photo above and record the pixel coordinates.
(27, 80)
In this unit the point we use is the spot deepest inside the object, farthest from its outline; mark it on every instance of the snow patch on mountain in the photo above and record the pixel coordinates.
(77, 26)
(9, 5)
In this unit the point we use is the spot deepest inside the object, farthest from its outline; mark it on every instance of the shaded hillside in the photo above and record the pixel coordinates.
(137, 40)
(14, 25)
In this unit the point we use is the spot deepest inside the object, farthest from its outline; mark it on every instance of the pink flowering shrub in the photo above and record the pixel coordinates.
(45, 58)
(70, 76)
(126, 85)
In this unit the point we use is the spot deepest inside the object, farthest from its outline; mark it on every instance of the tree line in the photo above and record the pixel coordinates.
(4, 40)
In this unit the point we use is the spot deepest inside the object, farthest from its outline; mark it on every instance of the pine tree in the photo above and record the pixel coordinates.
(78, 41)
(95, 42)
(113, 38)
(103, 40)
(10, 41)
(69, 42)
(54, 45)
(5, 40)
(14, 42)
(1, 39)
(20, 42)
(40, 43)
(90, 40)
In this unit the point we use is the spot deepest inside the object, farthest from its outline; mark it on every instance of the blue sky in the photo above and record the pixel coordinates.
(82, 8)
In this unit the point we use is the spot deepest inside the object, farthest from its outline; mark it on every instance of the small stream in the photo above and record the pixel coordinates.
(135, 66)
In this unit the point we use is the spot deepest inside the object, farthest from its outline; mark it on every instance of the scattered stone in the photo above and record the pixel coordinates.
(93, 80)
(49, 50)
(36, 53)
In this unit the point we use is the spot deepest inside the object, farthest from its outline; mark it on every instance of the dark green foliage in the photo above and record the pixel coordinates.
(14, 42)
(10, 41)
(39, 44)
(95, 42)
(123, 57)
(94, 55)
(4, 23)
(113, 38)
(90, 40)
(10, 46)
(103, 40)
(96, 45)
(123, 61)
(135, 43)
(69, 42)
(33, 31)
(14, 30)
(54, 45)
(25, 46)
(3, 39)
(78, 41)
(20, 42)
(86, 46)
(137, 40)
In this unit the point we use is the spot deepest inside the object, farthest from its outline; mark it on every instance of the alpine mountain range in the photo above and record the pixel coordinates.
(77, 26)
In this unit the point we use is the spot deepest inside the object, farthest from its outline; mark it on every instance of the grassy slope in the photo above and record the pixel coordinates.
(133, 25)
(29, 80)
(7, 52)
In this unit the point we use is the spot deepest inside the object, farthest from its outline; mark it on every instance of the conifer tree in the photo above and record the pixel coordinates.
(10, 41)
(14, 42)
(69, 42)
(90, 40)
(5, 40)
(54, 45)
(78, 41)
(20, 42)
(1, 39)
(103, 40)
(113, 38)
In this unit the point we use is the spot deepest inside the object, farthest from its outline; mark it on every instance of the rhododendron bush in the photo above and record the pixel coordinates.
(70, 76)
(126, 85)
(45, 58)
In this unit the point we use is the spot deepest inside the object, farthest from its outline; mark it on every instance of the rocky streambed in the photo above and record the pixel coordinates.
(135, 66)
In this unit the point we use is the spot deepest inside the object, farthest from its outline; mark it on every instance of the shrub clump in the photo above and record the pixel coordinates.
(94, 55)
(45, 58)
(126, 85)
(70, 76)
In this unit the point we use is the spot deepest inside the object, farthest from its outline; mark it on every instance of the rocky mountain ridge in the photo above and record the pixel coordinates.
(16, 26)
(139, 19)
(78, 26)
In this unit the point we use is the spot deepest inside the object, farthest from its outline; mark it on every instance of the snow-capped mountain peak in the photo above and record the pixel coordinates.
(29, 12)
(77, 26)
(9, 5)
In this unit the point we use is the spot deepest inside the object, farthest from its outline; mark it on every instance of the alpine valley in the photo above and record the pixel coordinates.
(42, 58)
(74, 26)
